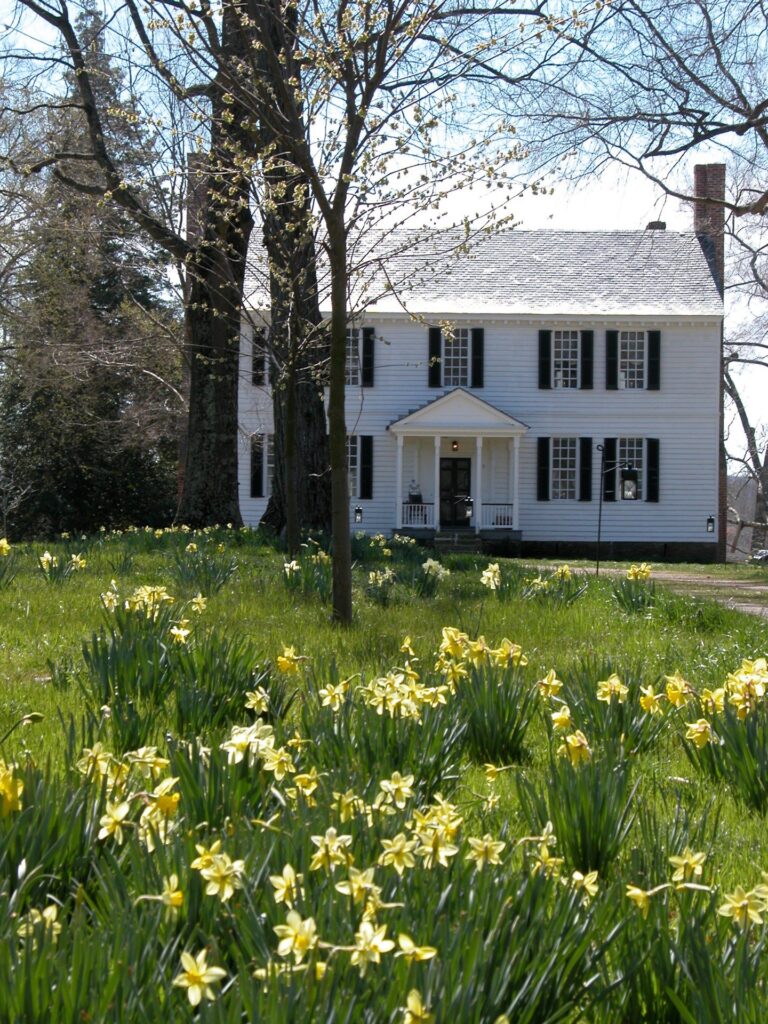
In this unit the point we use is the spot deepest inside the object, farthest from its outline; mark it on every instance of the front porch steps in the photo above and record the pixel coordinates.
(458, 542)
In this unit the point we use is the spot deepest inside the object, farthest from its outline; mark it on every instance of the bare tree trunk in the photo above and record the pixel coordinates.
(342, 548)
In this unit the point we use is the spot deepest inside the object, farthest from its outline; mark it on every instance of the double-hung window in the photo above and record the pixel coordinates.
(353, 463)
(259, 367)
(631, 360)
(564, 467)
(353, 356)
(456, 358)
(630, 453)
(262, 464)
(565, 359)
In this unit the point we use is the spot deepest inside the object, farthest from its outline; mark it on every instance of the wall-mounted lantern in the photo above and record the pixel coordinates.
(454, 446)
(710, 524)
(358, 514)
(629, 488)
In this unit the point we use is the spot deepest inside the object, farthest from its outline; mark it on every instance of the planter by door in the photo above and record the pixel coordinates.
(455, 487)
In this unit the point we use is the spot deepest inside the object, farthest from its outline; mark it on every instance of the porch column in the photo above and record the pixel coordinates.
(436, 505)
(399, 483)
(515, 486)
(479, 484)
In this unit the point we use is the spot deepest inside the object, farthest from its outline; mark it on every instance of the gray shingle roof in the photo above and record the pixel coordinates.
(554, 272)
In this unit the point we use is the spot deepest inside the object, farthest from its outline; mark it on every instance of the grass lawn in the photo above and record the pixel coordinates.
(363, 767)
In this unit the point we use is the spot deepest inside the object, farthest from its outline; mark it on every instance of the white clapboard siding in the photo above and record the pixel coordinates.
(683, 415)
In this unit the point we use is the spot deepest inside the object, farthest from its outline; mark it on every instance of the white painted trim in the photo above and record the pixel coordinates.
(399, 484)
(479, 485)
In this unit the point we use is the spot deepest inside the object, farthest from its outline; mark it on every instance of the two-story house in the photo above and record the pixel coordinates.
(523, 390)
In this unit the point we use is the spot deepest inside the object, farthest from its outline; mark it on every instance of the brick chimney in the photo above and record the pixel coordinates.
(709, 216)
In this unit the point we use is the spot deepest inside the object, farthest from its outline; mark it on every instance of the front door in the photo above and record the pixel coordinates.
(455, 481)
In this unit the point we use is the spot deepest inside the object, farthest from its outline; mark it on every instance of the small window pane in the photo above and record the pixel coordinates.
(258, 359)
(563, 467)
(269, 463)
(456, 358)
(353, 356)
(632, 360)
(565, 359)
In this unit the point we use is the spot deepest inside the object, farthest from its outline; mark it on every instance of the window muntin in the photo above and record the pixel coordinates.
(353, 356)
(564, 467)
(456, 358)
(269, 463)
(630, 453)
(565, 359)
(352, 464)
(632, 360)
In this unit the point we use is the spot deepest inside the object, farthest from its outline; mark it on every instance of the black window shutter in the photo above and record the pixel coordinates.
(545, 359)
(585, 469)
(258, 376)
(435, 335)
(609, 469)
(587, 360)
(542, 469)
(612, 360)
(654, 360)
(257, 466)
(366, 377)
(365, 453)
(478, 356)
(652, 471)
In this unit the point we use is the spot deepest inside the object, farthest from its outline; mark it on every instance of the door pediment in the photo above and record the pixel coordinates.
(460, 414)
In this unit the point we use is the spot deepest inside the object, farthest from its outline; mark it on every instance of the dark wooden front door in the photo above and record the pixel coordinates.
(455, 483)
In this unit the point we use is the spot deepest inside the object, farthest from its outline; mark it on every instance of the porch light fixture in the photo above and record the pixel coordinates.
(710, 524)
(469, 504)
(358, 514)
(454, 446)
(629, 490)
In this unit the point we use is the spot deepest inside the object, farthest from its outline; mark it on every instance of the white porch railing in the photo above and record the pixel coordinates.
(498, 516)
(419, 514)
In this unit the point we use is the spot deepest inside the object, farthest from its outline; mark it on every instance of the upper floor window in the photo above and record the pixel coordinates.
(353, 356)
(632, 359)
(564, 467)
(565, 359)
(259, 368)
(456, 358)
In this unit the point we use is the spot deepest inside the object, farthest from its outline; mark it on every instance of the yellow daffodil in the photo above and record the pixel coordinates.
(639, 572)
(491, 577)
(197, 977)
(223, 876)
(485, 851)
(180, 632)
(398, 789)
(279, 761)
(550, 685)
(370, 943)
(699, 733)
(411, 952)
(205, 855)
(358, 885)
(743, 907)
(713, 701)
(11, 789)
(5, 547)
(415, 1012)
(332, 850)
(38, 923)
(287, 886)
(289, 661)
(650, 701)
(333, 695)
(257, 700)
(679, 690)
(576, 748)
(612, 687)
(587, 883)
(688, 865)
(198, 604)
(297, 936)
(112, 822)
(640, 897)
(561, 718)
(398, 853)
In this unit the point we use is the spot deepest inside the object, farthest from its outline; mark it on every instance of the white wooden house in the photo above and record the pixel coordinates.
(534, 376)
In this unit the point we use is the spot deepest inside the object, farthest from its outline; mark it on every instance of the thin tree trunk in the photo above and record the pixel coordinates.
(342, 549)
